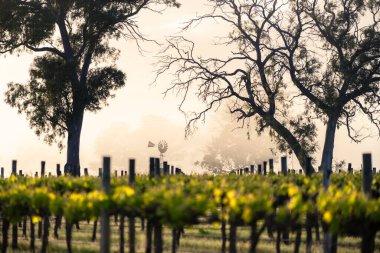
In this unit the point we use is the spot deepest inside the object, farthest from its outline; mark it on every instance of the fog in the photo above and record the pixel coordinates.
(122, 143)
(139, 114)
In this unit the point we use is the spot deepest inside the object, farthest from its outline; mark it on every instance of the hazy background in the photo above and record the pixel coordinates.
(139, 113)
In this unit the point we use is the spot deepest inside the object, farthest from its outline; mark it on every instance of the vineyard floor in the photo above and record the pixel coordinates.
(197, 239)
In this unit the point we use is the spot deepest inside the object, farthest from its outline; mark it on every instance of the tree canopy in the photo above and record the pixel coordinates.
(46, 98)
(333, 58)
(77, 70)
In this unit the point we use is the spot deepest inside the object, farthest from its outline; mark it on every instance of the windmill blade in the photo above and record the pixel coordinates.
(150, 144)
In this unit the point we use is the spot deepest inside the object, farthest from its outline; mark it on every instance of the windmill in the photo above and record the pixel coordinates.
(162, 147)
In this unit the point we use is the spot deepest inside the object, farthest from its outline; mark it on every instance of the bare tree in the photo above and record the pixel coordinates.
(333, 58)
(251, 80)
(328, 49)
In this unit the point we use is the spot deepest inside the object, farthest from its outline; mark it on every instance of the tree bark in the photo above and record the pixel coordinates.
(326, 164)
(72, 166)
(290, 139)
(328, 150)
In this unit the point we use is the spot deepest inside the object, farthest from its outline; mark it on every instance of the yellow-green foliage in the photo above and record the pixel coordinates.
(179, 201)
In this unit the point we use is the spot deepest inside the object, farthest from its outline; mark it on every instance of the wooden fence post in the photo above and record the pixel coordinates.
(252, 169)
(151, 167)
(246, 170)
(259, 171)
(172, 170)
(132, 228)
(132, 171)
(166, 168)
(350, 169)
(86, 172)
(367, 174)
(284, 172)
(100, 172)
(284, 166)
(149, 225)
(14, 226)
(157, 169)
(2, 172)
(14, 168)
(105, 231)
(42, 168)
(271, 166)
(265, 168)
(58, 170)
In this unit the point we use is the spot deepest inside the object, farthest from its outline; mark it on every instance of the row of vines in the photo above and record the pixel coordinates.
(280, 205)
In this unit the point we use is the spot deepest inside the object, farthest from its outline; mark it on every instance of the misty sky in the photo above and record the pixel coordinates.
(139, 112)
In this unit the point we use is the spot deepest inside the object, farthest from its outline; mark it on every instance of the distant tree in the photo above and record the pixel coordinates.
(339, 165)
(250, 80)
(231, 149)
(76, 72)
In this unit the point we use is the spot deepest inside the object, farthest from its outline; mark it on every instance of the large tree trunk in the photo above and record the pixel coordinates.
(326, 164)
(73, 142)
(328, 150)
